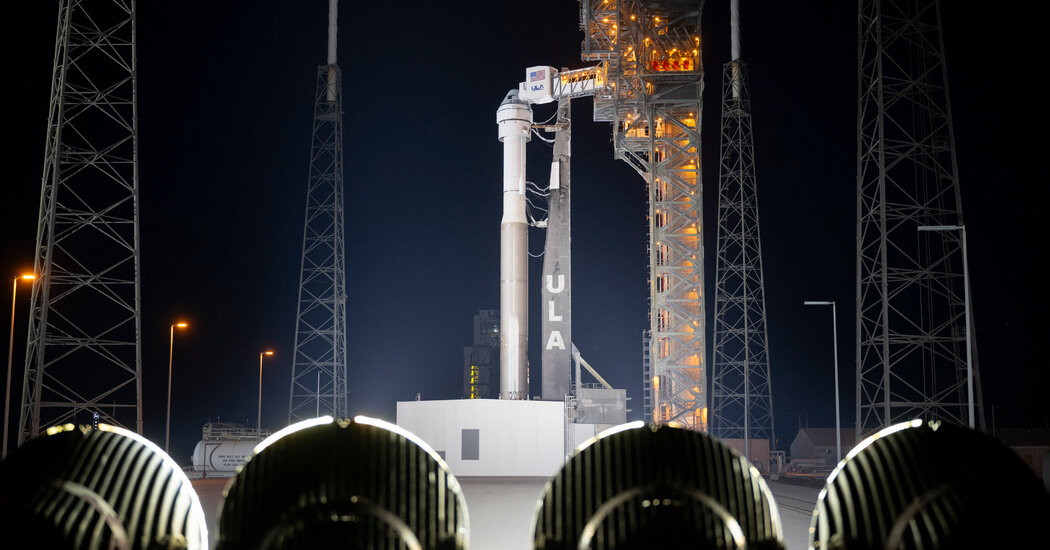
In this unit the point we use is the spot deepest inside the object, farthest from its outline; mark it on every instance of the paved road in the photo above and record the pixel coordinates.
(501, 510)
(210, 493)
(795, 502)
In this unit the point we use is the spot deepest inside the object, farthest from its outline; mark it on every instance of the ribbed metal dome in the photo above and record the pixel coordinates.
(921, 485)
(343, 484)
(102, 489)
(647, 485)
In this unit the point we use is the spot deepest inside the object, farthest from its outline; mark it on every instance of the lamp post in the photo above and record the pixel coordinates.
(835, 344)
(171, 350)
(966, 301)
(258, 420)
(10, 357)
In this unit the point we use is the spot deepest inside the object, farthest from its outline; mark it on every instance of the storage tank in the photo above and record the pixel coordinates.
(221, 456)
(224, 446)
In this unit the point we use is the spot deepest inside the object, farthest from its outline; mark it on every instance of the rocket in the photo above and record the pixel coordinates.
(514, 118)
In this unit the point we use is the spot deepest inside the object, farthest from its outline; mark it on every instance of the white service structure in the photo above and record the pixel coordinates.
(490, 437)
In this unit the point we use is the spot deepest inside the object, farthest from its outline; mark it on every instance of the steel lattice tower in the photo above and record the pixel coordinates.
(911, 337)
(741, 394)
(655, 75)
(83, 352)
(319, 367)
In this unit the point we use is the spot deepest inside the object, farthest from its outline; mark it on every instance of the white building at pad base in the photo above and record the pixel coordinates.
(490, 437)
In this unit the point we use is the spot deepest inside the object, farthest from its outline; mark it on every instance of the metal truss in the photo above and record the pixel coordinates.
(741, 395)
(911, 338)
(652, 55)
(83, 351)
(319, 366)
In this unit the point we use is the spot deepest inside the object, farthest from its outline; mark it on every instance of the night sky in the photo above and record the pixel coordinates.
(225, 104)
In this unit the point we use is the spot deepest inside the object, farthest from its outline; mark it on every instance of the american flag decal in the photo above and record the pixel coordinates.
(537, 75)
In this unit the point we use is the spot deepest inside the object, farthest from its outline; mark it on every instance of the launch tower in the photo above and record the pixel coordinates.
(653, 99)
(911, 305)
(83, 350)
(741, 395)
(319, 365)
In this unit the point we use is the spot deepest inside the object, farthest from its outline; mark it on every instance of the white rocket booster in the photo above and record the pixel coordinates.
(514, 118)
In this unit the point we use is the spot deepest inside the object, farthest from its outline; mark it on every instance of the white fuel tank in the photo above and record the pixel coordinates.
(221, 456)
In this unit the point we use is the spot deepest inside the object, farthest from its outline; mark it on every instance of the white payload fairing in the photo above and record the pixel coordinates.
(514, 118)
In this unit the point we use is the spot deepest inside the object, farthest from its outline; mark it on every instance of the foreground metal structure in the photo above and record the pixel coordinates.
(653, 100)
(319, 368)
(919, 477)
(83, 351)
(342, 483)
(741, 394)
(605, 495)
(911, 315)
(108, 487)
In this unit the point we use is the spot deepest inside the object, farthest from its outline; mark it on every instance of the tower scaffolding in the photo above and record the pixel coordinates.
(911, 314)
(83, 349)
(654, 101)
(741, 393)
(319, 366)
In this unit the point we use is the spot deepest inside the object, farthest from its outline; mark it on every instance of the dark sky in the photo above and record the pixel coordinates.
(225, 105)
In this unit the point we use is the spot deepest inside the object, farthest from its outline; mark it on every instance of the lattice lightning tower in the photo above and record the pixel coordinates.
(83, 351)
(652, 55)
(911, 321)
(319, 367)
(741, 394)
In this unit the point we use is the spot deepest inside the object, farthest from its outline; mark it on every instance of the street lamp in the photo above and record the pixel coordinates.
(171, 349)
(966, 301)
(258, 420)
(10, 356)
(835, 338)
